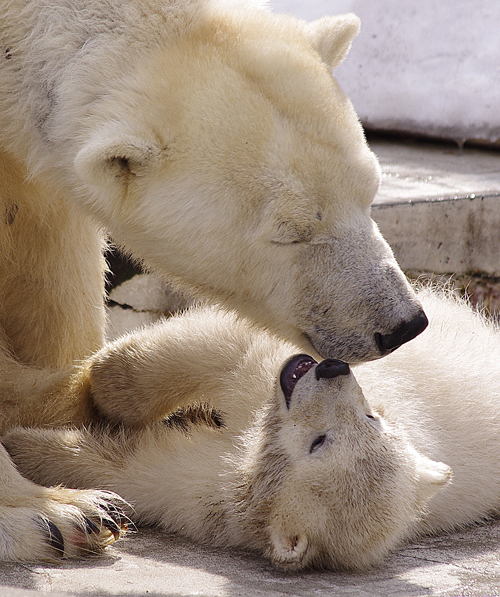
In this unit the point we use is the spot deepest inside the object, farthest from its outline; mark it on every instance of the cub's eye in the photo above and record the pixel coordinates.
(317, 443)
(371, 416)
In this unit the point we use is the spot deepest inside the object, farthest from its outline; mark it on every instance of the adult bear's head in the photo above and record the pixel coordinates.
(228, 158)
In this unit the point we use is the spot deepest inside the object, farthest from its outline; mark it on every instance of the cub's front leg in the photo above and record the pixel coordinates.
(146, 375)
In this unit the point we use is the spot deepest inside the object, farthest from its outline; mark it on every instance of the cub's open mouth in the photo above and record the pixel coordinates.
(292, 371)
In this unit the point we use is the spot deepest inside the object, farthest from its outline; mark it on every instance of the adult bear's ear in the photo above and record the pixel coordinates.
(114, 160)
(332, 37)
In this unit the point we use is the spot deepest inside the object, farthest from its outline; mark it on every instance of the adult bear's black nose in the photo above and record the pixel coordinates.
(331, 368)
(405, 332)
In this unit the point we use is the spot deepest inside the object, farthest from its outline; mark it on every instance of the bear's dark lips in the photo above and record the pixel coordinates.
(295, 368)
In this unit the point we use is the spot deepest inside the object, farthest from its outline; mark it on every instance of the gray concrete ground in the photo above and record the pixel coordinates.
(462, 564)
(440, 209)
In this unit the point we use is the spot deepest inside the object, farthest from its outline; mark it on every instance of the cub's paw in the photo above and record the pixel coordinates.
(61, 523)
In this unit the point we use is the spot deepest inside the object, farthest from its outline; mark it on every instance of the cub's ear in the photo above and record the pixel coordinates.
(332, 37)
(115, 161)
(432, 476)
(288, 551)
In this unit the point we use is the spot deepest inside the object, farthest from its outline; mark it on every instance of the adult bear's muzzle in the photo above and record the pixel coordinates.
(405, 332)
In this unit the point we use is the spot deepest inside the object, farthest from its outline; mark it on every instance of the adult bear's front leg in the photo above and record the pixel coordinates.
(40, 523)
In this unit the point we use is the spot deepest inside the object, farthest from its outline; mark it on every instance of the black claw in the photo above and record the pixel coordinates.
(90, 526)
(55, 538)
(52, 533)
(117, 514)
(116, 520)
(112, 525)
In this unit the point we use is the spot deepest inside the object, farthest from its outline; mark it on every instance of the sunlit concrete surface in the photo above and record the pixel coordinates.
(418, 170)
(153, 564)
(439, 206)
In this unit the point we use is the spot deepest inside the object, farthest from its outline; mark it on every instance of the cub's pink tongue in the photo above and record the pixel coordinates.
(292, 371)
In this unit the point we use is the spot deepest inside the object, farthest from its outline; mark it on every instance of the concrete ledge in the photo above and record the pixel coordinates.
(458, 235)
(439, 207)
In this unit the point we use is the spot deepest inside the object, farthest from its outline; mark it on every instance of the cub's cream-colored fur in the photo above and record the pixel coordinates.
(211, 140)
(309, 471)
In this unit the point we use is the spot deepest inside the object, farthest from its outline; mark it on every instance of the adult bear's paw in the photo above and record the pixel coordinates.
(60, 523)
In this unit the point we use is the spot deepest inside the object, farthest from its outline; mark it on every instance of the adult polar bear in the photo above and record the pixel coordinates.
(213, 143)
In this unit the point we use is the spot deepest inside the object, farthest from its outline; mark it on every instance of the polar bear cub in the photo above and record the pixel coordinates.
(271, 451)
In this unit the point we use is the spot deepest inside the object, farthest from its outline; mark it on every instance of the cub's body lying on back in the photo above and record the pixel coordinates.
(306, 469)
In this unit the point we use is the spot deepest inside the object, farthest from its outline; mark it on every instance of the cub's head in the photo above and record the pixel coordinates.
(341, 487)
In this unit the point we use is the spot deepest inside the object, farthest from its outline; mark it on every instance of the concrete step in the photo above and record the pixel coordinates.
(439, 207)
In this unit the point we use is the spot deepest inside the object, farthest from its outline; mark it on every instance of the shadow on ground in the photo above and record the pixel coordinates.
(158, 565)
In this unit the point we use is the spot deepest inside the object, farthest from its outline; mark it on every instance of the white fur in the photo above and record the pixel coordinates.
(380, 476)
(210, 139)
(178, 124)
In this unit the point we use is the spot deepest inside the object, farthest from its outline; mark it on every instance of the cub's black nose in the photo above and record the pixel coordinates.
(405, 332)
(331, 368)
